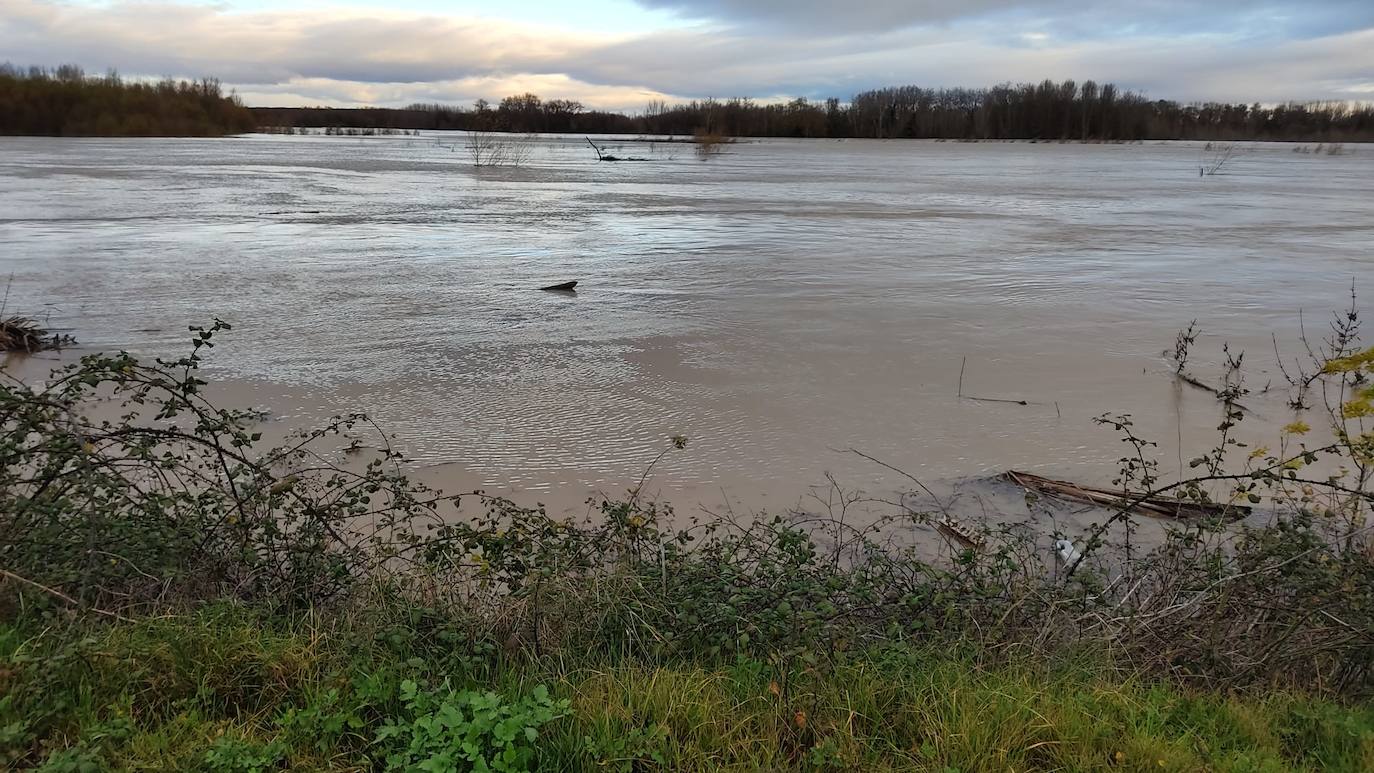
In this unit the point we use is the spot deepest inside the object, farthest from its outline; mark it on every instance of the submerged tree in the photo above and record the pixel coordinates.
(497, 149)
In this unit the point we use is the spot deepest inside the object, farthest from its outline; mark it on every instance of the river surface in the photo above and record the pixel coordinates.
(778, 304)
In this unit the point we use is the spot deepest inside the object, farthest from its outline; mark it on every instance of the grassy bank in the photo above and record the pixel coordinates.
(174, 596)
(228, 689)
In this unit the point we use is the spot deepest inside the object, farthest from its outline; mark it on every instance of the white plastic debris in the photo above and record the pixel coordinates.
(1067, 553)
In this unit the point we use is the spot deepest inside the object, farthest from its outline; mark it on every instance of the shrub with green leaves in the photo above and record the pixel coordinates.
(229, 754)
(445, 730)
(120, 481)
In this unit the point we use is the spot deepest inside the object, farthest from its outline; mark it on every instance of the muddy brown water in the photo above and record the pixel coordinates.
(778, 304)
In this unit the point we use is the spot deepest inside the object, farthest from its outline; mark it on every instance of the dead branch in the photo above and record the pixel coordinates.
(1159, 506)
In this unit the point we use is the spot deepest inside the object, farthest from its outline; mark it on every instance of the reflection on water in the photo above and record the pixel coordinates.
(778, 304)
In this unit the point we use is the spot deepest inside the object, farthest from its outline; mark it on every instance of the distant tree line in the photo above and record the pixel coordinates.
(68, 103)
(519, 113)
(1040, 111)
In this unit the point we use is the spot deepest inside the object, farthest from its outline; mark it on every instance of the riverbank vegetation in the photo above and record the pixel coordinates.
(176, 596)
(66, 102)
(226, 687)
(1049, 111)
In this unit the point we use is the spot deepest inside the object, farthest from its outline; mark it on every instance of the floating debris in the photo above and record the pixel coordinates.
(1157, 505)
(602, 155)
(959, 533)
(1067, 553)
(21, 334)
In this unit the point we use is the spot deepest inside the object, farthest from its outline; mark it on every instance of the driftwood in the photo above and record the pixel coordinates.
(21, 334)
(994, 400)
(1217, 393)
(1157, 506)
(562, 287)
(600, 156)
(963, 396)
(1190, 381)
(954, 531)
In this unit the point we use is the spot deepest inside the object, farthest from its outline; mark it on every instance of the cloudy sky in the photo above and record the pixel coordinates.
(621, 54)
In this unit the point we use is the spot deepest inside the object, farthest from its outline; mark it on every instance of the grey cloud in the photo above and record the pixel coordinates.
(1189, 67)
(1271, 18)
(175, 39)
(393, 59)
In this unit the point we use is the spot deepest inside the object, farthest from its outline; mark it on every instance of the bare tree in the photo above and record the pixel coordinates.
(498, 149)
(1216, 156)
(709, 144)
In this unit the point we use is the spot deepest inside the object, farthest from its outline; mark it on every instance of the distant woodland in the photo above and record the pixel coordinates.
(66, 102)
(1043, 111)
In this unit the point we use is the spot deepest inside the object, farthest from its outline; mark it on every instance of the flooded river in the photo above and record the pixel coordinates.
(779, 304)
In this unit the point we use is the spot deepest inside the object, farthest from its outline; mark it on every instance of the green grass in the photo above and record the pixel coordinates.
(229, 689)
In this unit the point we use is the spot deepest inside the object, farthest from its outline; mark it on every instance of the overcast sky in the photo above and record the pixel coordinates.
(621, 54)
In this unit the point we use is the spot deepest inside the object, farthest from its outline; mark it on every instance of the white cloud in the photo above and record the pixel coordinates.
(344, 93)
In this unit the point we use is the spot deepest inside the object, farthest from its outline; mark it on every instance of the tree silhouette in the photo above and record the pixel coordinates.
(67, 102)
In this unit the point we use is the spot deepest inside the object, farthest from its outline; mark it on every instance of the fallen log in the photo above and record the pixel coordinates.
(1158, 506)
(1190, 381)
(602, 156)
(1217, 393)
(995, 400)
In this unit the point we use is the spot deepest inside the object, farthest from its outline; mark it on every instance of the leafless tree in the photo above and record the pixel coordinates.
(1215, 156)
(498, 149)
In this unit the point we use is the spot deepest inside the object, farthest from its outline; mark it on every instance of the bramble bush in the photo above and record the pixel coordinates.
(123, 490)
(172, 500)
